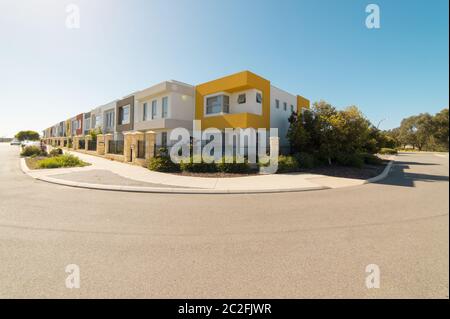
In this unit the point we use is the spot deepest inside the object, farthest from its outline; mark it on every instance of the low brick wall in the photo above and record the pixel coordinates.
(115, 157)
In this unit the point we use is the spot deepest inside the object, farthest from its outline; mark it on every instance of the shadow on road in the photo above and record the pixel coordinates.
(399, 177)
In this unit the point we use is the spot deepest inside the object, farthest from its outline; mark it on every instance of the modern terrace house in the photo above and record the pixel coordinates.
(132, 128)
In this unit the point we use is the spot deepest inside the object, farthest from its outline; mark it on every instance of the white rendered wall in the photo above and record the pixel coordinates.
(279, 117)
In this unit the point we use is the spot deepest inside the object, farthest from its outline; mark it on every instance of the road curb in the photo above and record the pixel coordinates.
(179, 190)
(169, 190)
(382, 176)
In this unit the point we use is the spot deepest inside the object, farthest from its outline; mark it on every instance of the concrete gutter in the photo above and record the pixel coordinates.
(180, 190)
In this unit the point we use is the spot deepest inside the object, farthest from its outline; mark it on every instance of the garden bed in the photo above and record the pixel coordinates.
(366, 172)
(45, 162)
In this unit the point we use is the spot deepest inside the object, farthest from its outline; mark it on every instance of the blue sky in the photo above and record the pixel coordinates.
(318, 49)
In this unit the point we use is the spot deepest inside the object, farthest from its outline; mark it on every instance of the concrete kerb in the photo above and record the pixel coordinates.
(179, 190)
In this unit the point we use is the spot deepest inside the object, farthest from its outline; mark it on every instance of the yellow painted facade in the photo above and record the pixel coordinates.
(302, 103)
(234, 83)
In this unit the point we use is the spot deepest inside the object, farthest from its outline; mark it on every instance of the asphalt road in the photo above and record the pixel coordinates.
(313, 244)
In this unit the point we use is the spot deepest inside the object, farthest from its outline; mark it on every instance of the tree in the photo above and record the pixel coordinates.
(27, 135)
(328, 134)
(441, 131)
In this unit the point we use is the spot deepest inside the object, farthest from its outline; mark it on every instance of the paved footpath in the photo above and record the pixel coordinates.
(107, 174)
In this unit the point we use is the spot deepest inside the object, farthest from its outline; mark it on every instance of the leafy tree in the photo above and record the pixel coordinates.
(327, 133)
(27, 135)
(441, 129)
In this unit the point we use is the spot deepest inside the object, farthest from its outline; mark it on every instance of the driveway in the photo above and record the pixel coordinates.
(288, 245)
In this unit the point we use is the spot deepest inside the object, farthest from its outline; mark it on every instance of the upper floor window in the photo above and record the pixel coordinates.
(154, 105)
(285, 106)
(98, 120)
(87, 124)
(110, 119)
(124, 115)
(277, 104)
(218, 104)
(241, 98)
(144, 111)
(165, 107)
(292, 108)
(258, 97)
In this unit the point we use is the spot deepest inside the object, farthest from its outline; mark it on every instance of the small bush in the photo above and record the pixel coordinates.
(163, 164)
(305, 160)
(354, 160)
(200, 167)
(66, 160)
(287, 164)
(388, 151)
(31, 151)
(372, 159)
(232, 167)
(56, 152)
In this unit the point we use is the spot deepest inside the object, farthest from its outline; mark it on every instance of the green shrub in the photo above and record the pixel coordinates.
(56, 152)
(163, 164)
(31, 151)
(201, 167)
(287, 164)
(66, 160)
(371, 159)
(233, 167)
(388, 151)
(305, 160)
(354, 160)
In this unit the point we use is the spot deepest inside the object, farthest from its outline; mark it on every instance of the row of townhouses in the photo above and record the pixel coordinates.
(133, 128)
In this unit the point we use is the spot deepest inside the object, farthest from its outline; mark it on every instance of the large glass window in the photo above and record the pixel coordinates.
(154, 106)
(218, 104)
(98, 120)
(125, 114)
(145, 111)
(110, 119)
(165, 107)
(258, 98)
(241, 98)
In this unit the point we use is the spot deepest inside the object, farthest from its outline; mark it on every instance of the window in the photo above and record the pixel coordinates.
(124, 115)
(292, 108)
(98, 120)
(165, 106)
(284, 106)
(241, 98)
(277, 104)
(258, 98)
(226, 104)
(154, 105)
(87, 125)
(110, 119)
(218, 104)
(145, 111)
(164, 139)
